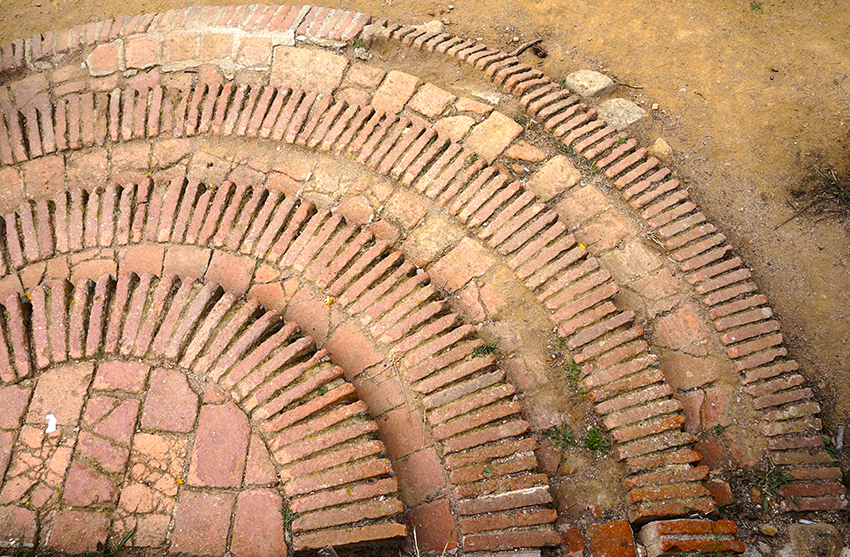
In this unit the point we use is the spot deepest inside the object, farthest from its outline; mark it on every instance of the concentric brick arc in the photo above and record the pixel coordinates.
(320, 436)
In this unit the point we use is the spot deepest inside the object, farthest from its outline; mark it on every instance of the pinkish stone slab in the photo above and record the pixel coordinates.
(171, 405)
(221, 445)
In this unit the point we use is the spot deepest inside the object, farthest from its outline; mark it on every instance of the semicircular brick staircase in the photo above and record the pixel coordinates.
(356, 283)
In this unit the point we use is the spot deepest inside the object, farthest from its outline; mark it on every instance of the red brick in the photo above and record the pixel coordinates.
(170, 404)
(201, 523)
(813, 504)
(76, 531)
(469, 525)
(347, 494)
(220, 448)
(421, 476)
(613, 539)
(511, 540)
(504, 501)
(344, 536)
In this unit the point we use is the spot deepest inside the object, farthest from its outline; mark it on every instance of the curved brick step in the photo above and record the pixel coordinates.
(560, 112)
(566, 279)
(720, 277)
(329, 461)
(470, 408)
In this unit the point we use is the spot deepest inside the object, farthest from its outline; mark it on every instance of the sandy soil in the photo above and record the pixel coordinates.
(750, 95)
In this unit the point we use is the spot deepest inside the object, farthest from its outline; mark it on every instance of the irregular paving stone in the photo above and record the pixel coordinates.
(75, 531)
(394, 92)
(436, 524)
(466, 261)
(121, 376)
(258, 527)
(811, 540)
(221, 445)
(307, 69)
(431, 101)
(620, 113)
(18, 526)
(13, 402)
(613, 539)
(60, 392)
(86, 486)
(493, 135)
(556, 176)
(589, 83)
(259, 469)
(171, 405)
(201, 523)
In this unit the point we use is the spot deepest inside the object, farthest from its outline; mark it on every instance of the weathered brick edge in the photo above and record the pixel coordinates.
(470, 410)
(623, 381)
(273, 372)
(732, 299)
(690, 535)
(311, 22)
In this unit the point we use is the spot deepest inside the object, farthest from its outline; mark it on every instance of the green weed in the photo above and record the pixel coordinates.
(485, 349)
(595, 441)
(829, 447)
(562, 436)
(755, 6)
(358, 43)
(767, 482)
(289, 517)
(323, 390)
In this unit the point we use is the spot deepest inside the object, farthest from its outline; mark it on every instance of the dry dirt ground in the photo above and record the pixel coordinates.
(750, 95)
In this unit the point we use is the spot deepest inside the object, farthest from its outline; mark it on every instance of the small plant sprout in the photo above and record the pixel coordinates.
(595, 441)
(767, 482)
(358, 43)
(829, 447)
(485, 349)
(289, 517)
(562, 436)
(755, 6)
(323, 390)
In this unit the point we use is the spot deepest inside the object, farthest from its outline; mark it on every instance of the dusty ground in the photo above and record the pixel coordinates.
(750, 94)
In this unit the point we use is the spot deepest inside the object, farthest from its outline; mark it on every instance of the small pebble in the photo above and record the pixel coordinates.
(768, 529)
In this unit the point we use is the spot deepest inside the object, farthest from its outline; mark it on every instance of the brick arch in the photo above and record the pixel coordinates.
(331, 466)
(471, 414)
(721, 279)
(545, 256)
(646, 185)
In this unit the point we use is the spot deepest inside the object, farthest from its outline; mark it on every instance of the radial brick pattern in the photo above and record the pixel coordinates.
(468, 194)
(321, 441)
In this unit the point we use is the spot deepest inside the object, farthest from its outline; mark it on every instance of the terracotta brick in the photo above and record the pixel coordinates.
(511, 540)
(492, 136)
(435, 525)
(201, 523)
(171, 405)
(19, 525)
(258, 527)
(75, 531)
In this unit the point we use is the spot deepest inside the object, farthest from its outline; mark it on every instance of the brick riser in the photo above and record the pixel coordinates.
(569, 121)
(469, 406)
(565, 278)
(738, 311)
(215, 335)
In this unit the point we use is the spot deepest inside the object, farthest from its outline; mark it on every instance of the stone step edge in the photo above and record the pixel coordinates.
(56, 334)
(639, 171)
(590, 332)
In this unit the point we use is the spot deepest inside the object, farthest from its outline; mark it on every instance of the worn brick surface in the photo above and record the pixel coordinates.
(220, 448)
